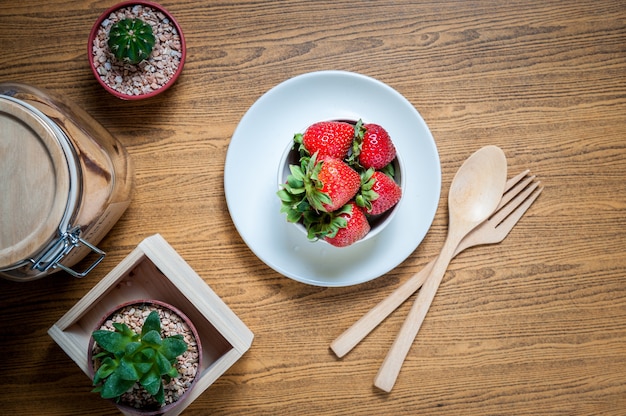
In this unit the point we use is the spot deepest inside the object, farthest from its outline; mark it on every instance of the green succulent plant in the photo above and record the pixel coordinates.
(128, 358)
(131, 40)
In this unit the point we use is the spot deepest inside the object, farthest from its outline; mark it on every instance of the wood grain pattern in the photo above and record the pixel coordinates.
(535, 325)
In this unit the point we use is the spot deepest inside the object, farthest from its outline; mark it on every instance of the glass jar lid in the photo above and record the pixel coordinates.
(36, 183)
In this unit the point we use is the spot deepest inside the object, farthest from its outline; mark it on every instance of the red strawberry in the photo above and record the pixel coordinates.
(379, 192)
(328, 138)
(317, 186)
(339, 181)
(377, 149)
(355, 229)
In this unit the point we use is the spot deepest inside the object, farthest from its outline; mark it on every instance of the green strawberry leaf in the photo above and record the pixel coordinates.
(325, 224)
(366, 194)
(297, 174)
(299, 144)
(389, 170)
(355, 151)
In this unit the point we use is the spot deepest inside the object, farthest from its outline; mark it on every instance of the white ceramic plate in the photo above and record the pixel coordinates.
(253, 157)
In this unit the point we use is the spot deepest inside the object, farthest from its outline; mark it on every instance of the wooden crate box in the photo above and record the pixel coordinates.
(154, 270)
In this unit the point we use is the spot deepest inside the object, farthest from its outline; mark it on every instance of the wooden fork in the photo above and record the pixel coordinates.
(519, 194)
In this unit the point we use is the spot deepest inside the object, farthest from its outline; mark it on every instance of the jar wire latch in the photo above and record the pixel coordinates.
(67, 241)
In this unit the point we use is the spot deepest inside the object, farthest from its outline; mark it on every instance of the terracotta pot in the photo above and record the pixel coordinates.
(93, 35)
(167, 407)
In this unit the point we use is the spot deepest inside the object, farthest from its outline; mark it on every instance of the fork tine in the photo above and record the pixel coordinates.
(520, 205)
(511, 182)
(514, 190)
(512, 199)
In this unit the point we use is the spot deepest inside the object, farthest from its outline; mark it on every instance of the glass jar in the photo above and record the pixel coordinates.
(65, 182)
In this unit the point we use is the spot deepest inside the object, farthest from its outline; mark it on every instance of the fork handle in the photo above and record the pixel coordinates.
(345, 342)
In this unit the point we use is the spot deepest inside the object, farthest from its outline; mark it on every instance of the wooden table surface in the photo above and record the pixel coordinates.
(534, 325)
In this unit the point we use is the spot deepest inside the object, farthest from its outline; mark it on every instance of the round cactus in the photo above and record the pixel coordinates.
(131, 40)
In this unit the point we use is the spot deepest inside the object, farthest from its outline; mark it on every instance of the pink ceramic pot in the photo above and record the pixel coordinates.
(94, 32)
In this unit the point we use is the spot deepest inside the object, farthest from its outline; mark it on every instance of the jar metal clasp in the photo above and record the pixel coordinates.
(67, 241)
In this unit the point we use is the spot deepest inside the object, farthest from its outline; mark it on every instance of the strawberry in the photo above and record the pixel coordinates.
(373, 147)
(379, 192)
(356, 226)
(340, 182)
(324, 185)
(327, 138)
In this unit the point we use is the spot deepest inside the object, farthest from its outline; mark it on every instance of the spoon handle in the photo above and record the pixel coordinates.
(390, 368)
(345, 342)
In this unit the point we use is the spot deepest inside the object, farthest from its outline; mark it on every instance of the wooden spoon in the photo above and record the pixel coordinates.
(474, 194)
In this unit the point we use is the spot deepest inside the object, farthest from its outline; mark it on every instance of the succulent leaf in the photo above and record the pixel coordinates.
(160, 395)
(151, 323)
(143, 368)
(163, 364)
(131, 348)
(107, 367)
(152, 382)
(123, 329)
(172, 373)
(111, 341)
(152, 338)
(114, 386)
(127, 370)
(173, 347)
(148, 353)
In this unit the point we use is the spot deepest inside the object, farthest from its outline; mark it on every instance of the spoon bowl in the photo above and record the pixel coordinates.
(477, 187)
